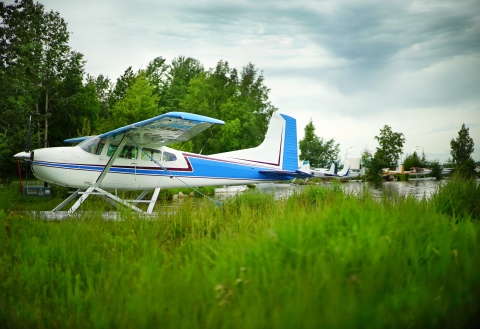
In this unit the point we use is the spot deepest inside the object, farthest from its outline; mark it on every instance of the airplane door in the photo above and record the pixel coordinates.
(124, 173)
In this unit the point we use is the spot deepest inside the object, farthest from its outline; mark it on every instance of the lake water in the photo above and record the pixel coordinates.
(416, 188)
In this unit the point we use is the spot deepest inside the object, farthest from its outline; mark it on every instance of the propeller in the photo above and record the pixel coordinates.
(26, 155)
(27, 147)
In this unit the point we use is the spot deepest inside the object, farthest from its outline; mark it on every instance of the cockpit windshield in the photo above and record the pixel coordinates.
(93, 145)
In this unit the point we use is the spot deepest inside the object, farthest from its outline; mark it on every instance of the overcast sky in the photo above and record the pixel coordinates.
(351, 66)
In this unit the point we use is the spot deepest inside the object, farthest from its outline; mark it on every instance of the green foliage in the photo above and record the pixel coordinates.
(373, 167)
(412, 161)
(241, 102)
(391, 144)
(18, 81)
(436, 169)
(104, 90)
(178, 76)
(402, 177)
(386, 156)
(42, 77)
(139, 103)
(318, 151)
(121, 86)
(156, 75)
(76, 115)
(461, 150)
(458, 197)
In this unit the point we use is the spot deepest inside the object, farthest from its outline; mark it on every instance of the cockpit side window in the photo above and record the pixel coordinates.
(151, 153)
(167, 156)
(128, 151)
(157, 155)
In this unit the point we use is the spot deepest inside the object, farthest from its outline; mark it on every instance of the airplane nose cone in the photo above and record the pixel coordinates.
(22, 156)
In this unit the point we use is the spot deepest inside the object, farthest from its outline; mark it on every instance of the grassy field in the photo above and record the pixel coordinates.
(322, 258)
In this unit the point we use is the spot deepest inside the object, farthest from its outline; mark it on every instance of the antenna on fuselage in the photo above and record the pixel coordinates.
(211, 132)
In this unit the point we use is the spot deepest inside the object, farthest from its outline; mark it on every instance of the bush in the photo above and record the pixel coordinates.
(436, 169)
(459, 197)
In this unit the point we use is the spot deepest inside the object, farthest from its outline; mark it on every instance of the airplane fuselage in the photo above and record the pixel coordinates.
(135, 157)
(165, 167)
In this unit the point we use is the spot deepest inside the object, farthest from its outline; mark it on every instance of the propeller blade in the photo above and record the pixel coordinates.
(27, 147)
(22, 156)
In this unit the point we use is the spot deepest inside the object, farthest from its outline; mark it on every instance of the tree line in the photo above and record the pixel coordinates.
(43, 78)
(321, 152)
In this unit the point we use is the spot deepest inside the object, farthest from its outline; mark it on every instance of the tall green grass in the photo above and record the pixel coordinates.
(320, 258)
(459, 197)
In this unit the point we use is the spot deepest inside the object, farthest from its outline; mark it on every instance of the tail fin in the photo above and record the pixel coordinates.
(332, 169)
(305, 167)
(279, 148)
(344, 171)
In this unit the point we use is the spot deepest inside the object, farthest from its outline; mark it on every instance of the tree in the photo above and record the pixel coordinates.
(18, 84)
(461, 151)
(178, 77)
(412, 161)
(156, 74)
(253, 97)
(121, 86)
(436, 169)
(386, 156)
(372, 165)
(40, 74)
(75, 116)
(318, 151)
(391, 144)
(139, 103)
(241, 102)
(104, 90)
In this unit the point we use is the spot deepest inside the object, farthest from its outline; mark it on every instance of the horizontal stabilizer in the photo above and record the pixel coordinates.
(296, 173)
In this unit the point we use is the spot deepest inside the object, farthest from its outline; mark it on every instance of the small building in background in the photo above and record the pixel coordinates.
(353, 162)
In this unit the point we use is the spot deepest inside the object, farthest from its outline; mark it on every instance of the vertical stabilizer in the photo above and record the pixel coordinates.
(344, 172)
(290, 156)
(279, 148)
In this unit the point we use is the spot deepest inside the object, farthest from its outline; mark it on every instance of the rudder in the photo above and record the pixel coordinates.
(290, 150)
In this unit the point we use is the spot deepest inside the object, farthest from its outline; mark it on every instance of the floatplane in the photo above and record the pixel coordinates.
(136, 158)
(325, 173)
(415, 173)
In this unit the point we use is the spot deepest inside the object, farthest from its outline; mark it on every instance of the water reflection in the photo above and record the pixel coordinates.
(416, 188)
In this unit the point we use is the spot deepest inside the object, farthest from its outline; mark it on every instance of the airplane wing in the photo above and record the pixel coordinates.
(76, 139)
(172, 127)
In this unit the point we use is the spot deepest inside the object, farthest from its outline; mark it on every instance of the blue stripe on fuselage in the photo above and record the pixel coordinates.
(202, 167)
(205, 167)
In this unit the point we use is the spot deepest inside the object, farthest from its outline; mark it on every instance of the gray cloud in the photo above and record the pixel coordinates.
(414, 65)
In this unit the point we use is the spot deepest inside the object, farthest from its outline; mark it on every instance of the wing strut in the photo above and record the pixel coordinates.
(95, 189)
